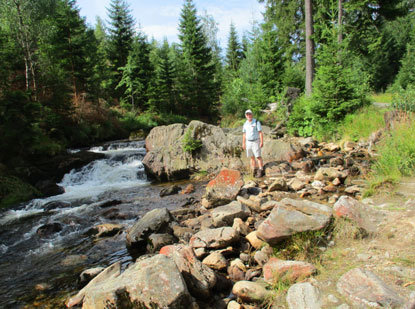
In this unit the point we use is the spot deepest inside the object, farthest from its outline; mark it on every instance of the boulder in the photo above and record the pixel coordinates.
(240, 226)
(158, 241)
(199, 278)
(254, 240)
(170, 190)
(348, 207)
(166, 160)
(279, 184)
(155, 221)
(224, 188)
(304, 295)
(224, 215)
(329, 173)
(214, 238)
(153, 282)
(293, 216)
(89, 274)
(250, 291)
(49, 229)
(237, 270)
(276, 269)
(363, 288)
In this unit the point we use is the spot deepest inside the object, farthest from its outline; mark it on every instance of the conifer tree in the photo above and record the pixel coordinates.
(121, 33)
(234, 53)
(198, 88)
(137, 73)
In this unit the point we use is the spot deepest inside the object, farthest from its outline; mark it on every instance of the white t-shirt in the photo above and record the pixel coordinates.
(252, 129)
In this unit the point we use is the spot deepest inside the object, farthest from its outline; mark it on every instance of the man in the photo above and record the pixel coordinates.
(252, 141)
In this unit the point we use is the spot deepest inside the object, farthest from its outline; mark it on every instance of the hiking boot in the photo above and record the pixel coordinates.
(259, 173)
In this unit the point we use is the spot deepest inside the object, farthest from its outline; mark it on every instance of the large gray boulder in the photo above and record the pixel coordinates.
(214, 238)
(155, 221)
(166, 160)
(304, 295)
(291, 216)
(199, 278)
(153, 282)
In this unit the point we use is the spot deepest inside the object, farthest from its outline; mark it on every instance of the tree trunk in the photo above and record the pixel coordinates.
(309, 47)
(340, 22)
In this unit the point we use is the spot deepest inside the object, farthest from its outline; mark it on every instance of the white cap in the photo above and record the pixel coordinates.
(248, 111)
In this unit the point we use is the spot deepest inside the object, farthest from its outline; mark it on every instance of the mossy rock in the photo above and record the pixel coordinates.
(13, 190)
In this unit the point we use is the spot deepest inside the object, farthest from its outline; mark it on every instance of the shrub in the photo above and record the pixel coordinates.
(404, 99)
(190, 144)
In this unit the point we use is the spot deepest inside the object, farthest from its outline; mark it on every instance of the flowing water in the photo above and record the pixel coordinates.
(42, 269)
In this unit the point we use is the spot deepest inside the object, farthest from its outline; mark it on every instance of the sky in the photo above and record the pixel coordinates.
(160, 18)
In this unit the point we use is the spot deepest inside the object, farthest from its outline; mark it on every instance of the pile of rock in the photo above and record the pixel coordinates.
(219, 253)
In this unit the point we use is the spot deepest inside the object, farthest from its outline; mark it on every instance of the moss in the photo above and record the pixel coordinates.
(13, 190)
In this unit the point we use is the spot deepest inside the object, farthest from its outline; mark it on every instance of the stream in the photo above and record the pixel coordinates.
(46, 243)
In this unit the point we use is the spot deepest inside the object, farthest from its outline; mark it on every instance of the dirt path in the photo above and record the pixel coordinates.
(390, 253)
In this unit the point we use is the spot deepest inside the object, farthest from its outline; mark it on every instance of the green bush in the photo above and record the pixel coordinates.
(404, 99)
(13, 190)
(190, 144)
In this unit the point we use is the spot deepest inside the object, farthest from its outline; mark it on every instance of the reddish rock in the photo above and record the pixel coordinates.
(365, 289)
(276, 269)
(189, 189)
(348, 207)
(224, 188)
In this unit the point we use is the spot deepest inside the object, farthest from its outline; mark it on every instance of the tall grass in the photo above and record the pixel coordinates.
(397, 152)
(361, 124)
(382, 97)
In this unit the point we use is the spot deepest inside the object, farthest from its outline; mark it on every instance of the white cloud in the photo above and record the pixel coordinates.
(159, 32)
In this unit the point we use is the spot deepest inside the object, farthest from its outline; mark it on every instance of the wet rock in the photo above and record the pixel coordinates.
(170, 190)
(110, 203)
(293, 216)
(158, 241)
(223, 189)
(348, 207)
(215, 260)
(105, 230)
(49, 229)
(304, 295)
(155, 221)
(254, 240)
(49, 188)
(150, 282)
(250, 291)
(254, 191)
(189, 189)
(200, 279)
(364, 288)
(56, 204)
(89, 274)
(74, 259)
(279, 184)
(276, 269)
(224, 215)
(214, 238)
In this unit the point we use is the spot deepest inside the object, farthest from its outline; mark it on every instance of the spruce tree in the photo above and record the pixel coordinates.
(121, 33)
(198, 88)
(137, 74)
(234, 53)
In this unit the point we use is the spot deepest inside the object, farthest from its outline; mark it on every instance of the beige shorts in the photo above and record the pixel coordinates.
(253, 149)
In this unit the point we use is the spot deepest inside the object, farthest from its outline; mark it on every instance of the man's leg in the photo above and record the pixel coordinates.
(253, 165)
(260, 167)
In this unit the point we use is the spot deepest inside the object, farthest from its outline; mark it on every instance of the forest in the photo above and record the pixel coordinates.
(66, 84)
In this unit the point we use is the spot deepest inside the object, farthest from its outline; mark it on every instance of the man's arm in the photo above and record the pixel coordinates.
(261, 139)
(244, 141)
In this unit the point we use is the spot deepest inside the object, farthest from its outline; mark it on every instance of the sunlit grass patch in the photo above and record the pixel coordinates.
(382, 97)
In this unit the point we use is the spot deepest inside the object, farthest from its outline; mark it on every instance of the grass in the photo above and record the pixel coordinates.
(361, 124)
(381, 97)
